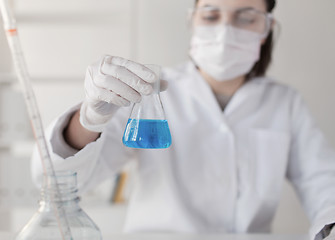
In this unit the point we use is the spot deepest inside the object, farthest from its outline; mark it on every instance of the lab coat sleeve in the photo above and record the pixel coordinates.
(311, 169)
(94, 163)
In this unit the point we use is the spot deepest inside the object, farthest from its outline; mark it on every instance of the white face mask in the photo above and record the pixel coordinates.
(225, 52)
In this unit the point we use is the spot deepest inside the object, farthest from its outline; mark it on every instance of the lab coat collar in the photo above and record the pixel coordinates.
(202, 92)
(246, 97)
(244, 100)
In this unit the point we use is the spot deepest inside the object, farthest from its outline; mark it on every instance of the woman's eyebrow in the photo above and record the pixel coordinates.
(209, 6)
(245, 8)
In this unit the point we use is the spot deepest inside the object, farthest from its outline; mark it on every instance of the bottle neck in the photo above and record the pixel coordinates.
(61, 189)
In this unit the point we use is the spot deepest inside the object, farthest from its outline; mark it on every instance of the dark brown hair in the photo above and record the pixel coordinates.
(260, 67)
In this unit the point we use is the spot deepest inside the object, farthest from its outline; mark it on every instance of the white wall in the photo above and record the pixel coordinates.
(60, 38)
(305, 55)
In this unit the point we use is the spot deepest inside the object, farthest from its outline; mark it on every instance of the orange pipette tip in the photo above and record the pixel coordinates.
(11, 31)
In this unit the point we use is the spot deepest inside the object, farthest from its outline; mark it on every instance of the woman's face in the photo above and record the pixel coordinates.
(227, 36)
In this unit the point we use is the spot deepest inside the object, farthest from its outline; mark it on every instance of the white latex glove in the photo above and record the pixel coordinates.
(111, 83)
(331, 236)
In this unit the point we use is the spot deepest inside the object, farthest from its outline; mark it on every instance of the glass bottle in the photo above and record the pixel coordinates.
(43, 225)
(147, 126)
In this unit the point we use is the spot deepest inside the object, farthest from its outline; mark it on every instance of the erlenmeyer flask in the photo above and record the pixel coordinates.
(147, 126)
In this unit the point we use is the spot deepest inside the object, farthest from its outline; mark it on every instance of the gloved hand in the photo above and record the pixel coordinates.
(111, 83)
(331, 235)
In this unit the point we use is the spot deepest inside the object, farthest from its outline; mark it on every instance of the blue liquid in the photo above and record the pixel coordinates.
(147, 133)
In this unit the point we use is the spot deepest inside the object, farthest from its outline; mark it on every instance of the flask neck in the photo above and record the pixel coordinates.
(150, 107)
(157, 70)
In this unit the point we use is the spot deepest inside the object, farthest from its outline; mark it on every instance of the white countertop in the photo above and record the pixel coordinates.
(9, 236)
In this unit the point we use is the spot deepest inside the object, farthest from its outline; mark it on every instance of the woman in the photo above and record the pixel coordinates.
(236, 134)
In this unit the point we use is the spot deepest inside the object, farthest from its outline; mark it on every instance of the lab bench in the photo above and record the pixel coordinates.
(6, 235)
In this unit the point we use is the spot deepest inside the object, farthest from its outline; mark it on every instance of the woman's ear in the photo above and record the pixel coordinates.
(273, 23)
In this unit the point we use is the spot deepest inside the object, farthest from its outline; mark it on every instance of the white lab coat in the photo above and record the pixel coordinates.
(224, 170)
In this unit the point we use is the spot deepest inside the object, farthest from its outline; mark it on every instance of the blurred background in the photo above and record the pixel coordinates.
(61, 38)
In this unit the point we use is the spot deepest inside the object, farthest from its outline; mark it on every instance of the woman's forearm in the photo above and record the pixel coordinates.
(76, 135)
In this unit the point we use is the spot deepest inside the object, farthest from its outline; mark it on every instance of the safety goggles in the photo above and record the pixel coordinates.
(248, 18)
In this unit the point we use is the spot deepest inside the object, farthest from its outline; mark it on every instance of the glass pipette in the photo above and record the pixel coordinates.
(32, 107)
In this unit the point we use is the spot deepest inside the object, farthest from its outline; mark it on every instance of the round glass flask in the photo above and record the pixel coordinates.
(44, 225)
(147, 126)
